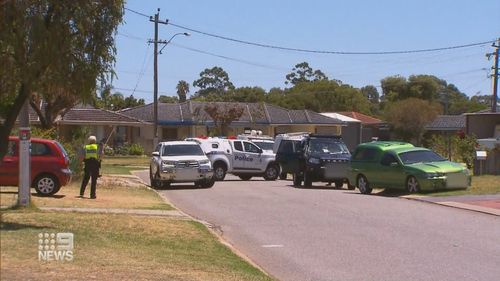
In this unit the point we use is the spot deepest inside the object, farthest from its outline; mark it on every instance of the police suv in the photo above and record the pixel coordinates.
(178, 162)
(241, 158)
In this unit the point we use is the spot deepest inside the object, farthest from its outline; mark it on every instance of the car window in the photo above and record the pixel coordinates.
(286, 147)
(40, 149)
(238, 146)
(182, 149)
(327, 146)
(12, 148)
(420, 156)
(264, 145)
(365, 154)
(387, 159)
(250, 147)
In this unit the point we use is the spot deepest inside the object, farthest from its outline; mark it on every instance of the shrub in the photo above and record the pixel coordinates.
(135, 149)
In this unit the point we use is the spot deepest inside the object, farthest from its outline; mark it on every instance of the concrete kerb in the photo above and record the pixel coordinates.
(214, 229)
(456, 205)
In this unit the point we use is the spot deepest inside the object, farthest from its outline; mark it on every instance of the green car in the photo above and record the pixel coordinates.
(400, 165)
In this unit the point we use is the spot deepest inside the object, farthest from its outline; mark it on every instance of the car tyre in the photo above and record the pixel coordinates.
(245, 177)
(412, 185)
(339, 184)
(363, 185)
(307, 179)
(208, 183)
(297, 180)
(46, 185)
(219, 172)
(271, 173)
(283, 176)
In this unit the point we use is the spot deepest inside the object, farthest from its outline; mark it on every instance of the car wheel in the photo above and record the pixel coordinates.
(364, 185)
(219, 172)
(412, 185)
(271, 173)
(207, 183)
(283, 176)
(46, 185)
(245, 177)
(307, 179)
(339, 184)
(297, 180)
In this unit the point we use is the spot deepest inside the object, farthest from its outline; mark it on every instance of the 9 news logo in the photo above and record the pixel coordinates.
(55, 246)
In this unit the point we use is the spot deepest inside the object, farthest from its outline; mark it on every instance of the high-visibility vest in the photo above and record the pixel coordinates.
(91, 151)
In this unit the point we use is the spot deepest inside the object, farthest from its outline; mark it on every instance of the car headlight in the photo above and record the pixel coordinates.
(168, 163)
(204, 162)
(313, 160)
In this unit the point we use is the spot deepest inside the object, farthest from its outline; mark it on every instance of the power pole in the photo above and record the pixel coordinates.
(156, 20)
(24, 156)
(494, 100)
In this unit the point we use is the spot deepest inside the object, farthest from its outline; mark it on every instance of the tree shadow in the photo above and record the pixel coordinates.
(19, 226)
(55, 196)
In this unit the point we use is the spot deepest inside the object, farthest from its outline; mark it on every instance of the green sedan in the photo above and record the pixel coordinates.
(400, 165)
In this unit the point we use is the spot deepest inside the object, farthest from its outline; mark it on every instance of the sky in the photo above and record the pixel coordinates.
(332, 26)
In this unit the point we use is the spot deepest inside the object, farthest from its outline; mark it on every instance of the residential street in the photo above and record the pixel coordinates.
(326, 234)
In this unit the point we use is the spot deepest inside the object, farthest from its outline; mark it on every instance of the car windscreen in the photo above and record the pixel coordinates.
(264, 145)
(420, 156)
(327, 146)
(182, 149)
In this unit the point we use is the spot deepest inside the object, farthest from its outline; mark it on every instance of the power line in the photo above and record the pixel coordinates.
(320, 51)
(138, 13)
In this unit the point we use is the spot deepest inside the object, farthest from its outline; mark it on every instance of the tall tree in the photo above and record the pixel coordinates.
(213, 81)
(409, 117)
(182, 90)
(222, 114)
(302, 72)
(51, 44)
(371, 94)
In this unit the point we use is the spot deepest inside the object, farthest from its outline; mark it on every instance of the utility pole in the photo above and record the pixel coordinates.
(156, 20)
(24, 156)
(494, 100)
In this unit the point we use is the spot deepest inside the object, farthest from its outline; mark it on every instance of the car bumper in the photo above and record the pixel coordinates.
(65, 176)
(185, 174)
(330, 171)
(449, 181)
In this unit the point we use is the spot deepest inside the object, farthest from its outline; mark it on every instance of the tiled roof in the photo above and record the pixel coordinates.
(447, 123)
(365, 119)
(192, 112)
(94, 115)
(340, 117)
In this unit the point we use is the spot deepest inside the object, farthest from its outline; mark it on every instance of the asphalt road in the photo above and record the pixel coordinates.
(326, 234)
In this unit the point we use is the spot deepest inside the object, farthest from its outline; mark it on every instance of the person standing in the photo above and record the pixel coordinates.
(91, 158)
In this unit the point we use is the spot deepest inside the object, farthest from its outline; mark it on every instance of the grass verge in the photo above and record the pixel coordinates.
(108, 196)
(123, 164)
(487, 184)
(118, 247)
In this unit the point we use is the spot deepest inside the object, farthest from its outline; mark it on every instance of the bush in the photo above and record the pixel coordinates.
(135, 149)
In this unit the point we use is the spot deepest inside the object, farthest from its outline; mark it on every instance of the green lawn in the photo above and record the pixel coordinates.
(480, 185)
(118, 247)
(123, 164)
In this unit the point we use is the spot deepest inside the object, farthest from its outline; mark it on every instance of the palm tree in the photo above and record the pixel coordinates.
(182, 90)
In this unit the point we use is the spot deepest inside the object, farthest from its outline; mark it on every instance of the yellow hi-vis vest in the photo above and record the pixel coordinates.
(91, 151)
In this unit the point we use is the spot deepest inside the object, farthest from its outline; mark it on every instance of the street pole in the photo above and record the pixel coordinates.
(495, 79)
(155, 78)
(24, 156)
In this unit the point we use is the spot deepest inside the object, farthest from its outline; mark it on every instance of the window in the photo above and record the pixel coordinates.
(39, 149)
(250, 147)
(238, 146)
(388, 159)
(365, 154)
(286, 147)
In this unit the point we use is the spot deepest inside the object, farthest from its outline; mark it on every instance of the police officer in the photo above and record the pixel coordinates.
(91, 159)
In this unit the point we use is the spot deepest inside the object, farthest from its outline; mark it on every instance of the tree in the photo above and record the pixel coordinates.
(302, 72)
(372, 95)
(48, 44)
(214, 81)
(168, 99)
(222, 114)
(247, 94)
(182, 90)
(131, 101)
(49, 107)
(409, 117)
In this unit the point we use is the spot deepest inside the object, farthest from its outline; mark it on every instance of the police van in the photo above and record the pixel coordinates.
(239, 157)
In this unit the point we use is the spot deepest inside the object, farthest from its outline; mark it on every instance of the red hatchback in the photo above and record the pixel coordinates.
(49, 165)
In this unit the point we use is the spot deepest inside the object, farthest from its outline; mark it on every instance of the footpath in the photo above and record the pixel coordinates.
(488, 204)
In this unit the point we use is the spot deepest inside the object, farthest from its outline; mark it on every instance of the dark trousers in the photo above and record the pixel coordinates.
(91, 171)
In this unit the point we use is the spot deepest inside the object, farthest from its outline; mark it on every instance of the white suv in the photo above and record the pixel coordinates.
(180, 161)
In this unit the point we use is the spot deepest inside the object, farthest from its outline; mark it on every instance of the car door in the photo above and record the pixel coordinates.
(43, 159)
(289, 155)
(9, 168)
(238, 156)
(253, 157)
(390, 172)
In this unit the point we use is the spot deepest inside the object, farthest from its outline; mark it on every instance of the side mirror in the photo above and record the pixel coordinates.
(155, 153)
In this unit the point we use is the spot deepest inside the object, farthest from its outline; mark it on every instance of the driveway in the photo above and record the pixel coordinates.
(326, 234)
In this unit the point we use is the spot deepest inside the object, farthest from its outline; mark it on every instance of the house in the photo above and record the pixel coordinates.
(371, 127)
(351, 133)
(189, 119)
(448, 126)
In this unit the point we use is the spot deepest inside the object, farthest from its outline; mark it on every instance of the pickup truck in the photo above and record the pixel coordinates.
(239, 157)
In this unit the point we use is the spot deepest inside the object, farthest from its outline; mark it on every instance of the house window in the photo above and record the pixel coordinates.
(169, 133)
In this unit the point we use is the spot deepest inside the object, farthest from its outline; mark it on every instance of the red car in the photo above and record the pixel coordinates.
(49, 165)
